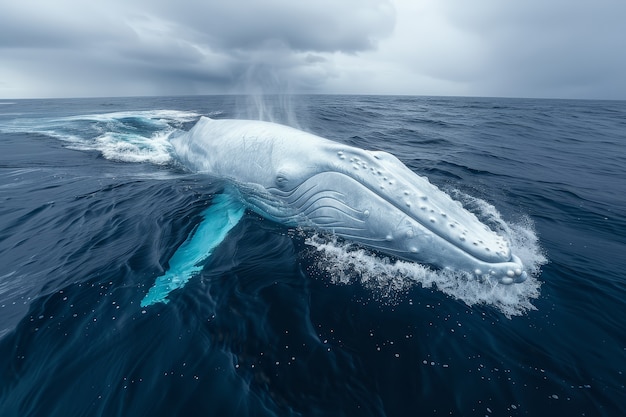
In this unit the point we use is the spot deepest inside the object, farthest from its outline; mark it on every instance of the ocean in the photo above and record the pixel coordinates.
(285, 321)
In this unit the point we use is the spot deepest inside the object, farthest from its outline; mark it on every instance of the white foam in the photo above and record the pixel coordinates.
(136, 147)
(520, 234)
(151, 115)
(390, 280)
(132, 148)
(114, 134)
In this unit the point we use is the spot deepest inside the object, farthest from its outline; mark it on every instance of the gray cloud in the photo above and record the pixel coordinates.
(156, 47)
(549, 49)
(485, 47)
(323, 25)
(57, 25)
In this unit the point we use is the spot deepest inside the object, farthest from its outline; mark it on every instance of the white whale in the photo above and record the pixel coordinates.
(369, 197)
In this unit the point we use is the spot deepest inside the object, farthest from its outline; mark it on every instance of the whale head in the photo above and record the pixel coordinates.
(369, 197)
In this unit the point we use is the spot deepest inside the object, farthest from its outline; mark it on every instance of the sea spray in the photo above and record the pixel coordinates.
(389, 280)
(267, 96)
(135, 137)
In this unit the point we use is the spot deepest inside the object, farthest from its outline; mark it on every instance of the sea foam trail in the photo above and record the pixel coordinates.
(135, 137)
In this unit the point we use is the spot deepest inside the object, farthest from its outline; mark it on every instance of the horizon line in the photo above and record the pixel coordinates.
(9, 99)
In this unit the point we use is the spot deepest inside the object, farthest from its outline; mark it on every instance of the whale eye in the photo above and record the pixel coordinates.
(282, 178)
(289, 176)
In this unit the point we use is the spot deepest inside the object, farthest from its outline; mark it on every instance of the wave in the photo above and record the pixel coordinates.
(128, 136)
(123, 147)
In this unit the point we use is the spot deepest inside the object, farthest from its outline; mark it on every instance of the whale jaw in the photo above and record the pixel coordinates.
(341, 204)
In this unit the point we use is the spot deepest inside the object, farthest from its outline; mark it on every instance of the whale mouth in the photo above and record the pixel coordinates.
(386, 176)
(431, 229)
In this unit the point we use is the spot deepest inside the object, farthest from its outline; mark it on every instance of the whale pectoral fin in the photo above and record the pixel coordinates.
(223, 214)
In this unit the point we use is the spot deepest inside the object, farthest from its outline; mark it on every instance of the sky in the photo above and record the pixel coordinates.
(495, 48)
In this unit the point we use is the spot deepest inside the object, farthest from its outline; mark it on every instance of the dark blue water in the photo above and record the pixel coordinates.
(281, 322)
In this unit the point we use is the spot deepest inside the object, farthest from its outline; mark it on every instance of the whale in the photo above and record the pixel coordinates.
(370, 197)
(299, 179)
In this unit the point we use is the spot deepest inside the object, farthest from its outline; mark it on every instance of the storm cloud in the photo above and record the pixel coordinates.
(71, 48)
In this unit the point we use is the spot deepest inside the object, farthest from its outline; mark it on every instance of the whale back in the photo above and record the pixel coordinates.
(252, 151)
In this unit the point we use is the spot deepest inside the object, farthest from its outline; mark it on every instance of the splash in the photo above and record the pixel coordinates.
(521, 234)
(138, 136)
(389, 280)
(123, 147)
